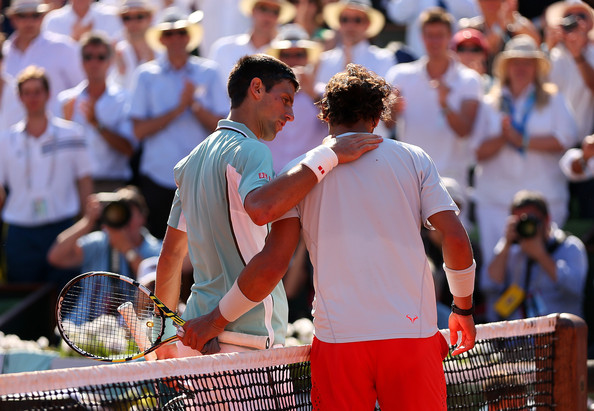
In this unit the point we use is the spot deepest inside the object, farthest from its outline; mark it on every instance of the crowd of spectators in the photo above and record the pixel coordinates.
(497, 99)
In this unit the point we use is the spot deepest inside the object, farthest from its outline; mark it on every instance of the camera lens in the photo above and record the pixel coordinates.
(569, 23)
(116, 214)
(528, 225)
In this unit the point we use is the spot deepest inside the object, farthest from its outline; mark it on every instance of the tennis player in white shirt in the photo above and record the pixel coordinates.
(376, 336)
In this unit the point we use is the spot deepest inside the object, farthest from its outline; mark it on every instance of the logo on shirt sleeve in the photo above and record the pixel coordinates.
(264, 176)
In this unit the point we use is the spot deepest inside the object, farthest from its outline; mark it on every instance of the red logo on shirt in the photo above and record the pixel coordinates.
(322, 171)
(412, 320)
(263, 175)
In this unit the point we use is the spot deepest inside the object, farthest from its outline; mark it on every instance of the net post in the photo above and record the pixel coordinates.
(570, 364)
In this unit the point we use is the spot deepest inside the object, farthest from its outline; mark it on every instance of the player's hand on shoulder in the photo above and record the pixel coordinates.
(353, 146)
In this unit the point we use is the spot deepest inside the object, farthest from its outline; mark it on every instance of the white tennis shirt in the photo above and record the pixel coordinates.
(361, 225)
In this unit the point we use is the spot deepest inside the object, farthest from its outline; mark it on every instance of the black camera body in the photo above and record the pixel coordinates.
(569, 23)
(527, 226)
(116, 212)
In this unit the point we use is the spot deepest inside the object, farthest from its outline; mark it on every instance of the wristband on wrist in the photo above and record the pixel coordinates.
(460, 311)
(461, 282)
(320, 160)
(234, 304)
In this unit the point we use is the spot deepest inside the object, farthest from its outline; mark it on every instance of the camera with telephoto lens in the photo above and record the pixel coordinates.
(116, 212)
(527, 226)
(569, 23)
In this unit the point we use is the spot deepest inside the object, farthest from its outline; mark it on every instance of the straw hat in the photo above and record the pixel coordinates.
(333, 10)
(25, 6)
(173, 19)
(556, 11)
(293, 36)
(287, 10)
(131, 5)
(521, 47)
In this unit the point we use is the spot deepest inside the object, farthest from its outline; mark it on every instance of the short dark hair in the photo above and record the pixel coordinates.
(32, 73)
(267, 68)
(535, 199)
(356, 94)
(434, 15)
(95, 39)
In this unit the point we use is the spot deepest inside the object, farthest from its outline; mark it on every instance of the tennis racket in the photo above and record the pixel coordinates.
(114, 318)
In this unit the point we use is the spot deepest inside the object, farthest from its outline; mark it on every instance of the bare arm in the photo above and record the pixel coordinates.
(85, 189)
(256, 280)
(116, 141)
(169, 271)
(462, 121)
(2, 197)
(457, 255)
(489, 148)
(274, 199)
(206, 117)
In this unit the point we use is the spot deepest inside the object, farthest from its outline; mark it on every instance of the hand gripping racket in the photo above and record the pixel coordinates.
(113, 318)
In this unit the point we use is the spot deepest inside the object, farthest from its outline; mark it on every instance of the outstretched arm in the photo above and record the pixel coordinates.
(273, 200)
(255, 282)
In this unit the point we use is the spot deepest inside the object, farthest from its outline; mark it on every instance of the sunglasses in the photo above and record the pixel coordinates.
(294, 55)
(356, 20)
(33, 16)
(171, 33)
(131, 17)
(469, 49)
(99, 57)
(275, 11)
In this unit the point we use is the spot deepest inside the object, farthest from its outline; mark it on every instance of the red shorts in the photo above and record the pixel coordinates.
(401, 374)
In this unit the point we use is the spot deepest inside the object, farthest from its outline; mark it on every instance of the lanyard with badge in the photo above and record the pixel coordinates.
(39, 192)
(508, 107)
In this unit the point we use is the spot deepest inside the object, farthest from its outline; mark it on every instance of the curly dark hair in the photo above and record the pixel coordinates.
(356, 94)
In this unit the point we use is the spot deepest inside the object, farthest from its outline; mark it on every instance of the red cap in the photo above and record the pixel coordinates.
(470, 35)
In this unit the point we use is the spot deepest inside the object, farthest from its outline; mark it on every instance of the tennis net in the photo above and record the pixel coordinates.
(533, 364)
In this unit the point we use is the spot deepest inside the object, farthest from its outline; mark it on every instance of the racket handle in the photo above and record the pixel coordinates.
(234, 338)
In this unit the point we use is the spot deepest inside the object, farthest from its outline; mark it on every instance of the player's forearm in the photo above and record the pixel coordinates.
(275, 198)
(169, 266)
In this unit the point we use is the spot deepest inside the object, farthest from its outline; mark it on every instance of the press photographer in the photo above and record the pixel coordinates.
(540, 268)
(121, 243)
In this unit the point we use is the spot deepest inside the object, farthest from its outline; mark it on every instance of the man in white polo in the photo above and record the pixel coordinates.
(29, 45)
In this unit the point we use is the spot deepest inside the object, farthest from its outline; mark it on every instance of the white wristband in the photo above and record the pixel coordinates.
(320, 160)
(461, 282)
(234, 304)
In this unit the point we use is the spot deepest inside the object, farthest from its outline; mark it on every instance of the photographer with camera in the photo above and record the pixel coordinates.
(119, 246)
(540, 269)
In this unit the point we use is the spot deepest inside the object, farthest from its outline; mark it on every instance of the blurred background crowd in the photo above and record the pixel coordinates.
(100, 99)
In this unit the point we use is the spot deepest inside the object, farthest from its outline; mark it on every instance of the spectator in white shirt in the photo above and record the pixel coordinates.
(266, 16)
(356, 22)
(407, 12)
(133, 50)
(44, 161)
(81, 16)
(29, 45)
(572, 58)
(99, 109)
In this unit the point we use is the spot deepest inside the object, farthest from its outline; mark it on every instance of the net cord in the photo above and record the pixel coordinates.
(136, 371)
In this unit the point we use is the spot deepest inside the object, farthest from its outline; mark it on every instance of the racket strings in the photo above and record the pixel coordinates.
(93, 320)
